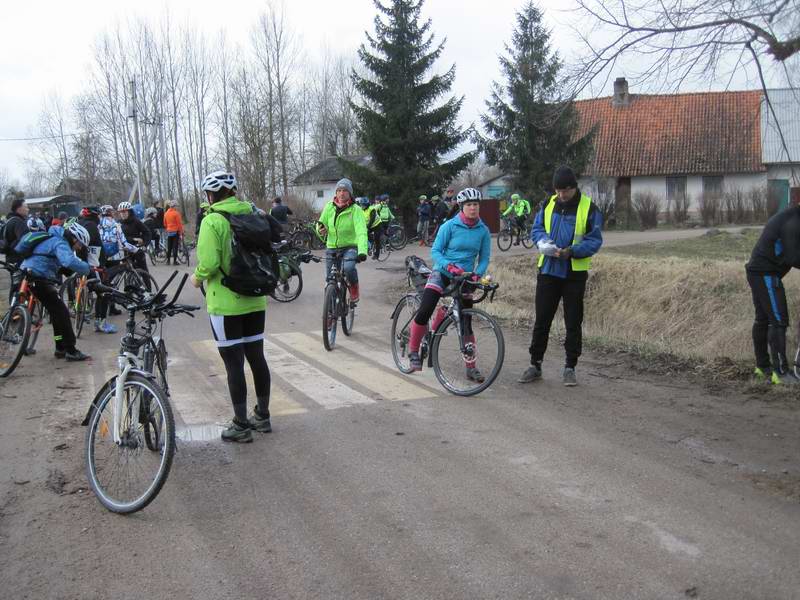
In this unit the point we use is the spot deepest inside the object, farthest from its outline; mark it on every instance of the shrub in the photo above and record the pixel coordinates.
(735, 206)
(710, 208)
(757, 204)
(679, 211)
(647, 205)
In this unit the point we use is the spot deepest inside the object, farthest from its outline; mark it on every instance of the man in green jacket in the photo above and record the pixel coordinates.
(342, 221)
(521, 209)
(237, 322)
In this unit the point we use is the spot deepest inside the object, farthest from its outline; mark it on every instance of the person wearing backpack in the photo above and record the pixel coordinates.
(45, 254)
(114, 245)
(237, 318)
(15, 227)
(343, 223)
(134, 231)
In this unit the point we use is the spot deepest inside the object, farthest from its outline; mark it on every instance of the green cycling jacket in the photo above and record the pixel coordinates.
(346, 229)
(521, 209)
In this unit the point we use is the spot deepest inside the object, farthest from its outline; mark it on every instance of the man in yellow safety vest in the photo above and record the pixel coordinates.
(567, 232)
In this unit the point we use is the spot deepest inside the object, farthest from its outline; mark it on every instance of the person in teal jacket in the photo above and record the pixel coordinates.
(237, 322)
(462, 245)
(342, 221)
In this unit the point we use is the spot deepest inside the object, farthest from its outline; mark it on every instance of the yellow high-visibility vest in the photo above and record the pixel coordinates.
(581, 222)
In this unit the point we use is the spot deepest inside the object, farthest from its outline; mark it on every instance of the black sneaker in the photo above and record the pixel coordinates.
(259, 423)
(114, 311)
(60, 353)
(237, 433)
(414, 362)
(76, 355)
(532, 373)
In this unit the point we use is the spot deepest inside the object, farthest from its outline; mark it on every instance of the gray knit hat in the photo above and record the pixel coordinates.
(345, 184)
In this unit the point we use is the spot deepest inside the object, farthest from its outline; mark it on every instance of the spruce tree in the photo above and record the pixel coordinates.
(401, 125)
(530, 131)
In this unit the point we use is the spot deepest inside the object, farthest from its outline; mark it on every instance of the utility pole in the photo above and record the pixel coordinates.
(133, 114)
(164, 162)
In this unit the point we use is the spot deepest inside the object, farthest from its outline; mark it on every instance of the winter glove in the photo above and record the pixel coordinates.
(454, 270)
(361, 258)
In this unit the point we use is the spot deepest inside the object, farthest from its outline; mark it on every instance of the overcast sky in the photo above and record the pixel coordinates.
(46, 45)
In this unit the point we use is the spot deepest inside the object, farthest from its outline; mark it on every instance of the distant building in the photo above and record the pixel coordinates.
(498, 186)
(96, 191)
(317, 185)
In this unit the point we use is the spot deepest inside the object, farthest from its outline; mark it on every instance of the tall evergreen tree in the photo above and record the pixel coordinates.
(401, 126)
(530, 131)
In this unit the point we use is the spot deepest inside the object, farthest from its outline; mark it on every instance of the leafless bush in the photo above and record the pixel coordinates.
(710, 209)
(757, 204)
(735, 205)
(647, 206)
(302, 208)
(679, 211)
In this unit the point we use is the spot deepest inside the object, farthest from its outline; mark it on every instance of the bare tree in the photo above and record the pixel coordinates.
(53, 133)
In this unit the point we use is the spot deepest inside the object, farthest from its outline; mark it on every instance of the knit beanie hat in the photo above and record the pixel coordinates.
(345, 184)
(564, 178)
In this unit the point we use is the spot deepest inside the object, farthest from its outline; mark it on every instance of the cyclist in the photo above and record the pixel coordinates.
(423, 219)
(385, 212)
(114, 247)
(173, 223)
(343, 222)
(774, 255)
(151, 222)
(90, 220)
(521, 209)
(237, 321)
(44, 261)
(135, 232)
(567, 231)
(15, 227)
(374, 224)
(440, 210)
(461, 242)
(280, 211)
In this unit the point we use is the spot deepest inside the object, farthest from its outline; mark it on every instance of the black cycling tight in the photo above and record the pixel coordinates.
(234, 357)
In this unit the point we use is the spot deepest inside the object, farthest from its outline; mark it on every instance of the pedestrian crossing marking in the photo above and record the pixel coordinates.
(307, 379)
(374, 378)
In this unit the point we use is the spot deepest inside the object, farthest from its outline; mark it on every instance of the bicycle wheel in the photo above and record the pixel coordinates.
(183, 254)
(15, 327)
(386, 250)
(330, 316)
(484, 347)
(526, 240)
(504, 239)
(397, 238)
(302, 239)
(290, 288)
(81, 309)
(151, 419)
(127, 476)
(347, 312)
(401, 330)
(36, 313)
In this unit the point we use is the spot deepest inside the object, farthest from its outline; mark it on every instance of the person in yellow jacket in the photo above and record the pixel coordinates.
(342, 221)
(567, 232)
(372, 215)
(521, 209)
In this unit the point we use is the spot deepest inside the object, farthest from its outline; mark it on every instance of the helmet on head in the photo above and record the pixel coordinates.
(423, 198)
(124, 206)
(468, 195)
(514, 197)
(35, 224)
(151, 211)
(363, 201)
(217, 180)
(78, 231)
(106, 210)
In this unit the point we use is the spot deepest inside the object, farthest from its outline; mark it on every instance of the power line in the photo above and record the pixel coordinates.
(52, 137)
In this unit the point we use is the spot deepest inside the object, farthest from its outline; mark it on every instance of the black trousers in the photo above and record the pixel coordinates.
(63, 334)
(550, 291)
(172, 248)
(771, 321)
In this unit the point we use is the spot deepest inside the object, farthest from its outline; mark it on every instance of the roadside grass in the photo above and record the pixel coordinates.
(726, 245)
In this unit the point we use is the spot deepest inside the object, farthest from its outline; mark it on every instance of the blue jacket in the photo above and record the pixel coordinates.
(424, 211)
(50, 255)
(461, 245)
(562, 232)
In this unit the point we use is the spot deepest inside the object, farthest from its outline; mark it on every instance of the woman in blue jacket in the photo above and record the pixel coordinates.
(460, 242)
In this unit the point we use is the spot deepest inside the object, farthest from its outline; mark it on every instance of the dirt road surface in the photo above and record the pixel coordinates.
(376, 485)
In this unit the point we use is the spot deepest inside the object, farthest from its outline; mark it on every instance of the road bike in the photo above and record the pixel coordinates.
(21, 323)
(336, 304)
(130, 435)
(458, 339)
(290, 274)
(505, 237)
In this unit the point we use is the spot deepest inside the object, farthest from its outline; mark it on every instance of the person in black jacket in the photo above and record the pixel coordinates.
(16, 227)
(90, 219)
(280, 212)
(775, 254)
(135, 232)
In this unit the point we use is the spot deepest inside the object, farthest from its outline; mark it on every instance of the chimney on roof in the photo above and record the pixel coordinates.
(621, 96)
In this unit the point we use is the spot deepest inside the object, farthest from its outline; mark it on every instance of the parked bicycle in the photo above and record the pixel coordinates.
(505, 237)
(20, 325)
(130, 436)
(336, 304)
(128, 276)
(396, 236)
(302, 234)
(290, 276)
(383, 255)
(77, 294)
(457, 337)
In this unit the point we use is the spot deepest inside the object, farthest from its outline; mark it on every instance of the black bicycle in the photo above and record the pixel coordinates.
(130, 436)
(290, 275)
(458, 339)
(505, 237)
(336, 304)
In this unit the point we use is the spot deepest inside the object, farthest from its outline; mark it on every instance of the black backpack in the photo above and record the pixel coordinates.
(254, 264)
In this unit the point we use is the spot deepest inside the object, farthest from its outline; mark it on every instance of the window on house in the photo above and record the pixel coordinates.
(676, 190)
(712, 186)
(320, 193)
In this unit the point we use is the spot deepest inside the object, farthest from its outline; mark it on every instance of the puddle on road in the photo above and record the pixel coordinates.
(200, 433)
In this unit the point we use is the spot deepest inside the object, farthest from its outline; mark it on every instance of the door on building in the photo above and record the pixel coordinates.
(623, 210)
(777, 195)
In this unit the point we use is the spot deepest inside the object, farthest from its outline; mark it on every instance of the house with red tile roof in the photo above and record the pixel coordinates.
(685, 146)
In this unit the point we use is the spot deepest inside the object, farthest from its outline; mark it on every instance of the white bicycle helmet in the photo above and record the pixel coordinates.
(106, 209)
(124, 206)
(79, 232)
(150, 211)
(218, 180)
(468, 195)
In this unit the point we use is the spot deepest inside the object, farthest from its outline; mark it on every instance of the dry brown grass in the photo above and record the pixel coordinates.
(699, 310)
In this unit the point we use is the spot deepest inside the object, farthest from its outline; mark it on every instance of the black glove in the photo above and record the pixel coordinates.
(361, 258)
(566, 253)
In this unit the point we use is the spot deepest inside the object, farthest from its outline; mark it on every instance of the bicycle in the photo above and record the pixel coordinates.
(386, 250)
(456, 333)
(77, 294)
(20, 325)
(505, 237)
(130, 436)
(126, 276)
(290, 275)
(158, 252)
(336, 304)
(396, 237)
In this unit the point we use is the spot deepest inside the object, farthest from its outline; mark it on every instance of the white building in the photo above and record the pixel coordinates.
(317, 185)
